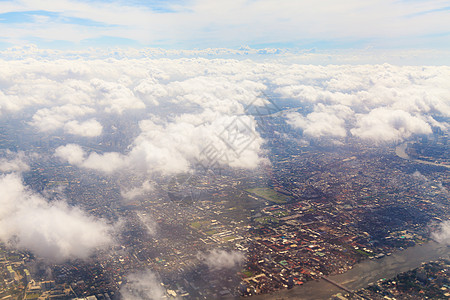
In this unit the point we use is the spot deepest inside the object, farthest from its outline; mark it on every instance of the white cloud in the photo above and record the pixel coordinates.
(184, 105)
(227, 94)
(63, 90)
(328, 121)
(106, 162)
(115, 96)
(149, 223)
(137, 191)
(71, 153)
(385, 125)
(423, 179)
(50, 229)
(89, 128)
(381, 103)
(50, 119)
(222, 259)
(212, 24)
(420, 176)
(16, 164)
(142, 286)
(175, 146)
(443, 233)
(178, 146)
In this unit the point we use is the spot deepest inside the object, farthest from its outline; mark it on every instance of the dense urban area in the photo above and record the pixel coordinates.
(312, 211)
(430, 281)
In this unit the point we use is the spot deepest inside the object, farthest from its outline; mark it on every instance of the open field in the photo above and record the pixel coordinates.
(269, 195)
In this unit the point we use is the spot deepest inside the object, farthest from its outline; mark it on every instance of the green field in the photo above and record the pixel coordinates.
(248, 273)
(269, 195)
(196, 225)
(229, 238)
(363, 252)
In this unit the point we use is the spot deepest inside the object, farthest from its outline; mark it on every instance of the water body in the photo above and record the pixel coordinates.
(366, 272)
(371, 270)
(400, 151)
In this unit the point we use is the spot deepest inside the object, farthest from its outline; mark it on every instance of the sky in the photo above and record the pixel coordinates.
(201, 24)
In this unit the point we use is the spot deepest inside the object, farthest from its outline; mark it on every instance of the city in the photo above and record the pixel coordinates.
(314, 211)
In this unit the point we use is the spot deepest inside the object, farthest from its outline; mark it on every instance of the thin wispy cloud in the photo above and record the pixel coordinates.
(204, 24)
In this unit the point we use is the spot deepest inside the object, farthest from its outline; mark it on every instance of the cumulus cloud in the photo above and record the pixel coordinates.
(14, 162)
(187, 108)
(380, 103)
(173, 147)
(71, 153)
(219, 259)
(193, 105)
(442, 235)
(48, 119)
(328, 121)
(137, 191)
(142, 286)
(64, 90)
(180, 145)
(115, 97)
(385, 125)
(106, 162)
(50, 229)
(89, 128)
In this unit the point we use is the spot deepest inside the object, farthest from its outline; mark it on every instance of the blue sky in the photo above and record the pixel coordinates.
(298, 24)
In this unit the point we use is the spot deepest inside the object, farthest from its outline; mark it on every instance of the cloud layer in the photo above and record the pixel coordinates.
(142, 286)
(181, 114)
(380, 103)
(89, 128)
(205, 24)
(221, 259)
(443, 234)
(13, 162)
(50, 229)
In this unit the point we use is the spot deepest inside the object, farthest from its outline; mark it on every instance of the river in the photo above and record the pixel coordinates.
(371, 270)
(366, 272)
(400, 151)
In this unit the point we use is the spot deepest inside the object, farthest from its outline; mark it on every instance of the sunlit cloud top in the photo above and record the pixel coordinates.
(326, 24)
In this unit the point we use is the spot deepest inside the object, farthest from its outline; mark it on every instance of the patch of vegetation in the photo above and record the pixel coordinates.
(196, 225)
(269, 195)
(363, 252)
(32, 296)
(248, 273)
(211, 232)
(281, 214)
